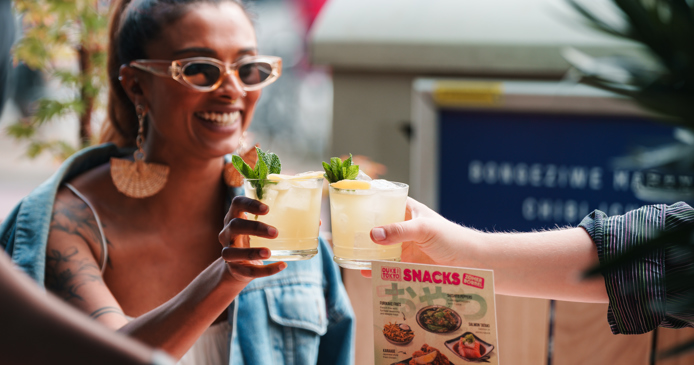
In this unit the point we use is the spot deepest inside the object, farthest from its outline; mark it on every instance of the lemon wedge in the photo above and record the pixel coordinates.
(352, 185)
(426, 359)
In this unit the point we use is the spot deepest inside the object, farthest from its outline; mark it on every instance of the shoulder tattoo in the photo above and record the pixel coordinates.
(74, 217)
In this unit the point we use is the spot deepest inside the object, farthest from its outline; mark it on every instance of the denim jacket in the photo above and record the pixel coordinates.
(300, 316)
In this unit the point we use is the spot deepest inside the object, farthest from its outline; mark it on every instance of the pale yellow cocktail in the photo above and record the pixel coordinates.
(294, 203)
(355, 210)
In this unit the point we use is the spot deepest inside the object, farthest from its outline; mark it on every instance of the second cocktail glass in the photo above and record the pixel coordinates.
(354, 212)
(294, 204)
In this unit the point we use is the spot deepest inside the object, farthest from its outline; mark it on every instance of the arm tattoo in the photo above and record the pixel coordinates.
(74, 217)
(105, 310)
(65, 275)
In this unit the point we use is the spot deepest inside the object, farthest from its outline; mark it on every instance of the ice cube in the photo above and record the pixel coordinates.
(304, 184)
(269, 195)
(281, 185)
(299, 199)
(380, 184)
(363, 176)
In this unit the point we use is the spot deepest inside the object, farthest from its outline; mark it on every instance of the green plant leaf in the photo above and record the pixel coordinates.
(352, 172)
(273, 163)
(242, 167)
(338, 170)
(336, 166)
(348, 162)
(35, 149)
(329, 173)
(21, 130)
(261, 173)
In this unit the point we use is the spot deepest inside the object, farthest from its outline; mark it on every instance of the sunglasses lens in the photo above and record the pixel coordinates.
(255, 72)
(201, 74)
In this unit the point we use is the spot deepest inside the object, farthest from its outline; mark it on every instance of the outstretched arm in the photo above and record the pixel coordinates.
(545, 264)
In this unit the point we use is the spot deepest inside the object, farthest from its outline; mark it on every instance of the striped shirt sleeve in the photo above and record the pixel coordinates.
(637, 292)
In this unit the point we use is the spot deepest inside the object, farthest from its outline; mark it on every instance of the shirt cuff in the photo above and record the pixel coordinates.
(636, 291)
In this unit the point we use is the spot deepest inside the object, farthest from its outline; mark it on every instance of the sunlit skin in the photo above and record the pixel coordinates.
(159, 245)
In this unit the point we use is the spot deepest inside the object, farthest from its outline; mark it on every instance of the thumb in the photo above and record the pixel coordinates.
(400, 232)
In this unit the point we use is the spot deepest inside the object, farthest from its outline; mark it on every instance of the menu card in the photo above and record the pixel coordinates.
(428, 314)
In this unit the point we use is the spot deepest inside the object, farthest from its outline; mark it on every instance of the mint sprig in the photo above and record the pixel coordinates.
(268, 163)
(338, 170)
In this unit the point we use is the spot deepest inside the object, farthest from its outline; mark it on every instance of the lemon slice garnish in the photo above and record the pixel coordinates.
(352, 185)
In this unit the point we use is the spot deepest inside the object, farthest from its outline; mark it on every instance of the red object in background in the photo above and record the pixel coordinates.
(309, 10)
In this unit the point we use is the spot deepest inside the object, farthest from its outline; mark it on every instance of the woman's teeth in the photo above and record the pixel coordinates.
(223, 119)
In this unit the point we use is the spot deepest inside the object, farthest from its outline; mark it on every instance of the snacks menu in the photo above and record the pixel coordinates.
(428, 314)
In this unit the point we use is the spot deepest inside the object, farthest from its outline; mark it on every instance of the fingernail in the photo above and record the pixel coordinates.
(264, 252)
(272, 231)
(378, 234)
(283, 266)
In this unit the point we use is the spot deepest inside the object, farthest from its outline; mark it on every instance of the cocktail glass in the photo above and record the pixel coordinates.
(294, 204)
(354, 212)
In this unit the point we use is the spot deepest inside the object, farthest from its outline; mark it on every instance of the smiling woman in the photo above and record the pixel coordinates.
(131, 229)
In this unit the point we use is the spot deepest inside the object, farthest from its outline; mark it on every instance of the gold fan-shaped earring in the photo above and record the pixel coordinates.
(138, 179)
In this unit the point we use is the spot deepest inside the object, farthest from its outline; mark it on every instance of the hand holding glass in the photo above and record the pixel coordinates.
(354, 212)
(295, 211)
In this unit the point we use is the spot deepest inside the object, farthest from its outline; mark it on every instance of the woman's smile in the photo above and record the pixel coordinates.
(220, 119)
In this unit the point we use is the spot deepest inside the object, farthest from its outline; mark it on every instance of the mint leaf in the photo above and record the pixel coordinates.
(267, 163)
(261, 157)
(273, 163)
(352, 172)
(338, 170)
(348, 162)
(261, 167)
(242, 167)
(336, 166)
(328, 173)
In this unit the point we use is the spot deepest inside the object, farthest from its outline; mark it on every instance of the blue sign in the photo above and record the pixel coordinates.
(513, 171)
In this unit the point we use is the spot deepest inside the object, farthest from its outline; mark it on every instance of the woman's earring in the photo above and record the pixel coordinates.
(231, 176)
(138, 179)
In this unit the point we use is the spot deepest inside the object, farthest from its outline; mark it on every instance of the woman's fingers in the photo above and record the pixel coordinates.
(241, 254)
(246, 271)
(255, 228)
(240, 227)
(241, 205)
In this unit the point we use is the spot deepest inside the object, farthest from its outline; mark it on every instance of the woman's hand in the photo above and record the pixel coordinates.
(426, 237)
(244, 263)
